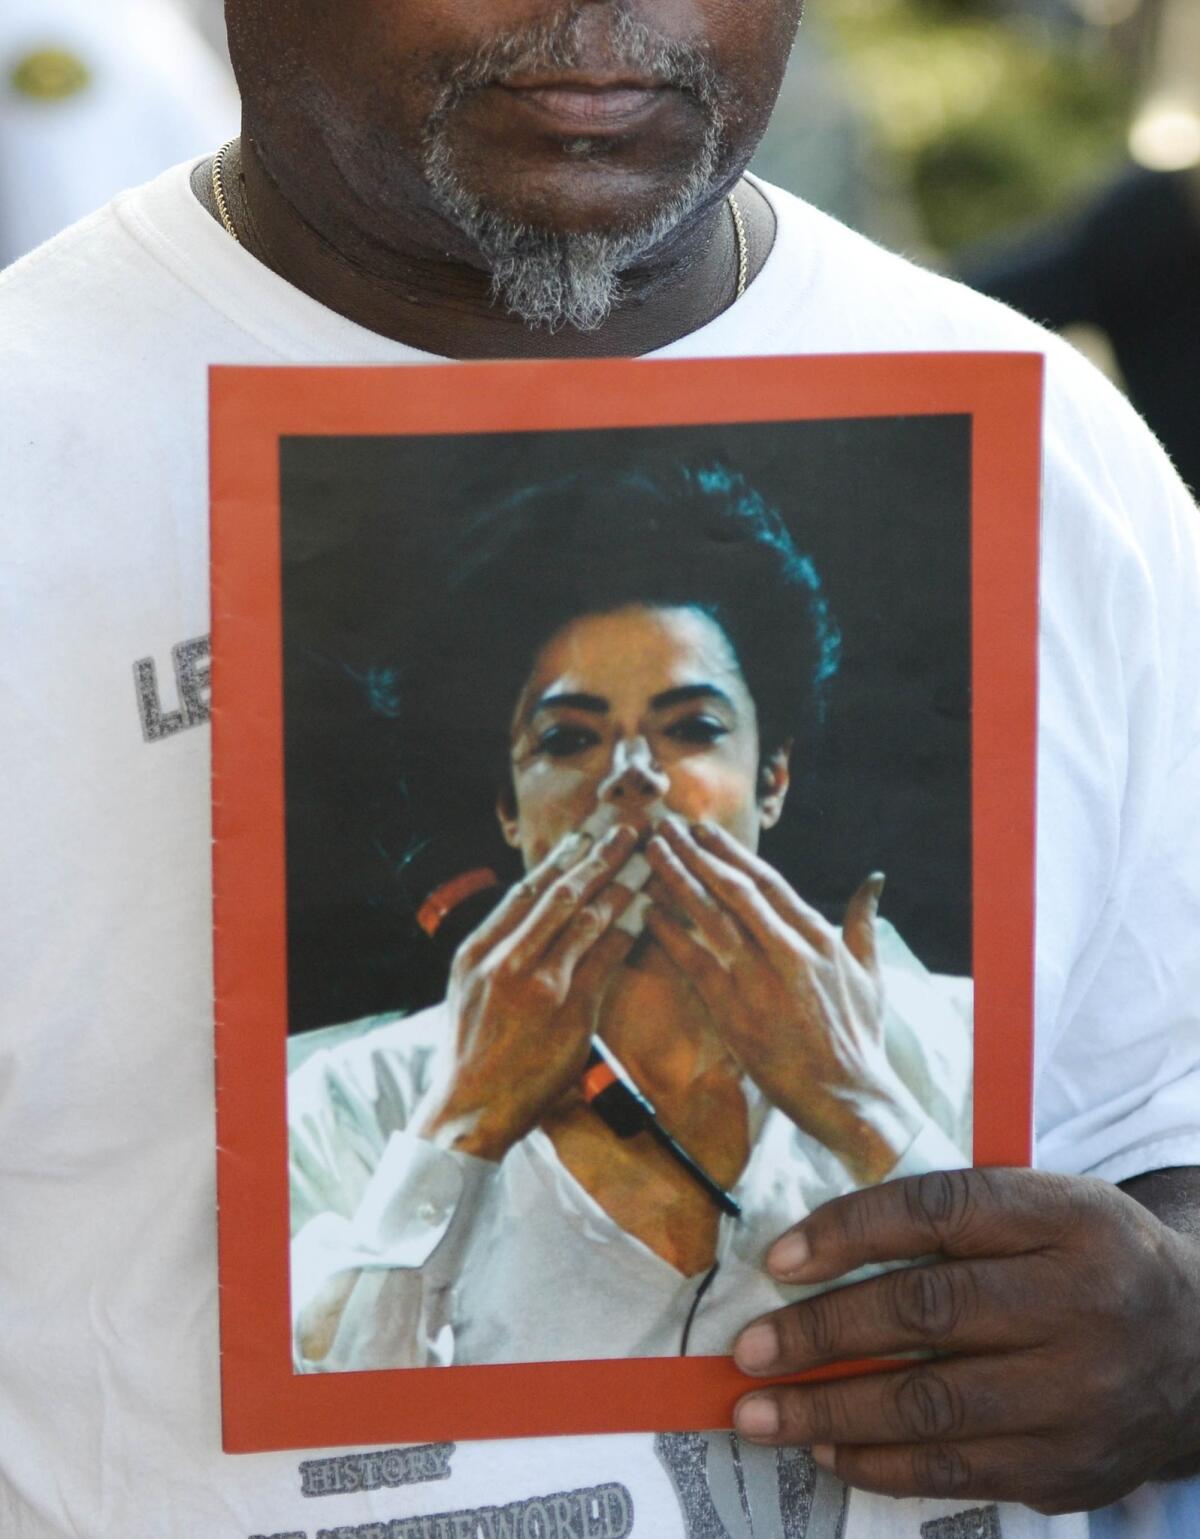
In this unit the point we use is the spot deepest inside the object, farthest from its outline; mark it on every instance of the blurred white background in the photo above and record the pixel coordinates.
(97, 96)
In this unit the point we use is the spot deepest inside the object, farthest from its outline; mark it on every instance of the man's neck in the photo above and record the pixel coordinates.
(445, 307)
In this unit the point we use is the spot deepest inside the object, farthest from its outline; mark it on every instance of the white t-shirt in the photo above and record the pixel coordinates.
(109, 1412)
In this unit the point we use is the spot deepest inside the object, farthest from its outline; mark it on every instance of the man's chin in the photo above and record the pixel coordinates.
(560, 231)
(575, 273)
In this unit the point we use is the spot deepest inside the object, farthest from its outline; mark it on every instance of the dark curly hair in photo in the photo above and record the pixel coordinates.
(591, 543)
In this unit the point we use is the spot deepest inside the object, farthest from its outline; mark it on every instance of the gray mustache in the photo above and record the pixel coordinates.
(560, 44)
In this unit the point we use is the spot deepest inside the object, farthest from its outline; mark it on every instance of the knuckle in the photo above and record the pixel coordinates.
(928, 1302)
(493, 974)
(812, 1329)
(727, 934)
(542, 988)
(501, 971)
(592, 919)
(854, 1219)
(595, 870)
(928, 1406)
(1067, 1199)
(942, 1200)
(735, 888)
(565, 893)
(825, 940)
(810, 1416)
(1055, 1202)
(941, 1469)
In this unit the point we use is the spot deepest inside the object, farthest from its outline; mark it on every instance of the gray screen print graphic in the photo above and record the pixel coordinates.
(734, 1490)
(191, 663)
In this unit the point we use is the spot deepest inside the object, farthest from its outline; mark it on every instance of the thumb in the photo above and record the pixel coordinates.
(858, 927)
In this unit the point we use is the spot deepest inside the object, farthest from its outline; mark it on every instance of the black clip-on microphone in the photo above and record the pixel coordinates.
(617, 1101)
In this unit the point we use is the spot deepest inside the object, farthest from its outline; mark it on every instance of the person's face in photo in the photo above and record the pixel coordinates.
(636, 708)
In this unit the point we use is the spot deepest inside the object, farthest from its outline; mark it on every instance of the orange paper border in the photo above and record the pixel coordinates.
(267, 1406)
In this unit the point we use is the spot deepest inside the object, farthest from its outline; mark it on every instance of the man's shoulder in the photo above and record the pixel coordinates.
(47, 297)
(101, 291)
(107, 332)
(836, 291)
(851, 294)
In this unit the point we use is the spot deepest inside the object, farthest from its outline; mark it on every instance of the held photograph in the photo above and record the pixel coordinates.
(624, 783)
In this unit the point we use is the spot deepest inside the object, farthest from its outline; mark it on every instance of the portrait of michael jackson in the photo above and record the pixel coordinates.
(653, 1054)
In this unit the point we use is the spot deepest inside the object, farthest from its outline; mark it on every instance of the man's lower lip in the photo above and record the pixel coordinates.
(589, 112)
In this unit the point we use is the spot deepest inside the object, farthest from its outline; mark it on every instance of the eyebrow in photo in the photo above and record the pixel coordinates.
(597, 705)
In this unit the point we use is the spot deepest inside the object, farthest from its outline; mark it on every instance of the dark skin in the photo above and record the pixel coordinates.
(1061, 1320)
(1063, 1311)
(369, 240)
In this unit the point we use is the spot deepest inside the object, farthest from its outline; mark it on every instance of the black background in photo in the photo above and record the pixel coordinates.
(376, 817)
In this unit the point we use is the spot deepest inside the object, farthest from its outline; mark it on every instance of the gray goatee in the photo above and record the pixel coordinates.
(547, 278)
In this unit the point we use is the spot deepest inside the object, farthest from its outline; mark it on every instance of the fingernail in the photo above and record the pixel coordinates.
(789, 1255)
(707, 831)
(635, 873)
(824, 1454)
(878, 881)
(573, 846)
(757, 1348)
(618, 835)
(757, 1417)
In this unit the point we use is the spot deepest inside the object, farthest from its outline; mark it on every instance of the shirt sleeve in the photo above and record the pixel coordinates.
(371, 1198)
(406, 1242)
(1118, 959)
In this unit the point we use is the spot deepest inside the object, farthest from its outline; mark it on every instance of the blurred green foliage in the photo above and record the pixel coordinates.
(991, 120)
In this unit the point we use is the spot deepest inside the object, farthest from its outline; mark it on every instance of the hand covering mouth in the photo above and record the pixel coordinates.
(636, 872)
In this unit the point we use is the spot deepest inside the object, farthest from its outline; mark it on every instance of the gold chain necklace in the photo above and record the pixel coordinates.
(743, 246)
(218, 186)
(222, 202)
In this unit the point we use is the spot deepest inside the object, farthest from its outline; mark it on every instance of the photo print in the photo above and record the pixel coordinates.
(627, 798)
